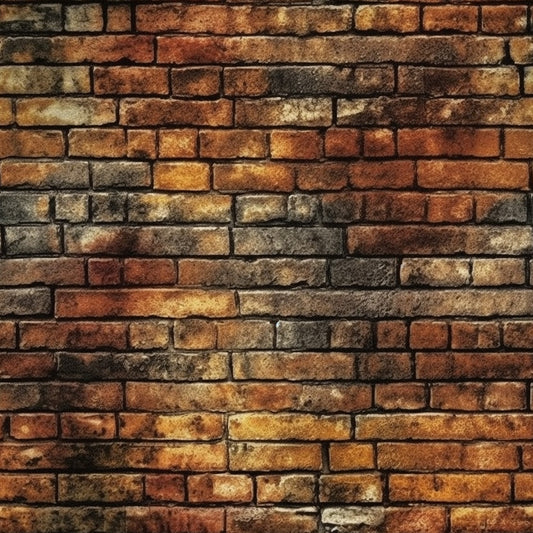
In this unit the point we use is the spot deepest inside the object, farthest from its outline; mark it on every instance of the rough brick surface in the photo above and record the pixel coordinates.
(265, 266)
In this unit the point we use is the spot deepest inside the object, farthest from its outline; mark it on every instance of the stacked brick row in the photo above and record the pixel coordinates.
(265, 267)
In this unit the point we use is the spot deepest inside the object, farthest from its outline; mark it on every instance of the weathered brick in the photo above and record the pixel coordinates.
(72, 207)
(130, 80)
(92, 142)
(302, 334)
(342, 207)
(384, 366)
(405, 396)
(104, 271)
(177, 143)
(44, 175)
(84, 17)
(352, 518)
(453, 208)
(257, 208)
(305, 144)
(149, 335)
(272, 520)
(391, 334)
(24, 365)
(289, 488)
(233, 488)
(342, 142)
(351, 456)
(72, 335)
(504, 19)
(108, 207)
(472, 335)
(247, 334)
(293, 366)
(116, 488)
(426, 334)
(27, 80)
(418, 519)
(435, 272)
(118, 18)
(165, 487)
(34, 488)
(195, 333)
(33, 426)
(196, 81)
(387, 18)
(450, 18)
(500, 208)
(500, 271)
(146, 240)
(195, 520)
(88, 426)
(499, 519)
(351, 334)
(31, 143)
(21, 208)
(149, 271)
(222, 144)
(141, 144)
(363, 272)
(395, 207)
(150, 207)
(21, 301)
(30, 18)
(350, 488)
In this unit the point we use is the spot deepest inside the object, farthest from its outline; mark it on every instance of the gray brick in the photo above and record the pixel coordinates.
(363, 272)
(303, 208)
(120, 174)
(342, 207)
(311, 335)
(179, 208)
(20, 208)
(72, 207)
(108, 207)
(22, 302)
(33, 240)
(147, 240)
(257, 208)
(30, 18)
(438, 272)
(45, 174)
(288, 241)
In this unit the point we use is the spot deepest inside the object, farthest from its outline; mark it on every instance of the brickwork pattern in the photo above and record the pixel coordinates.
(265, 267)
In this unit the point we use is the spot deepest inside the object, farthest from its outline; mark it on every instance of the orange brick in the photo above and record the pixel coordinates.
(31, 143)
(104, 271)
(428, 334)
(342, 142)
(351, 456)
(131, 80)
(194, 334)
(149, 271)
(33, 426)
(141, 144)
(504, 19)
(518, 143)
(387, 18)
(453, 208)
(254, 177)
(222, 144)
(232, 488)
(350, 488)
(149, 335)
(382, 174)
(181, 176)
(295, 144)
(29, 488)
(165, 487)
(88, 426)
(290, 488)
(454, 18)
(391, 334)
(379, 143)
(177, 143)
(405, 396)
(416, 518)
(196, 81)
(7, 335)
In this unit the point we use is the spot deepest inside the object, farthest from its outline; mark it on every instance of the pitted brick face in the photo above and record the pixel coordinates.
(265, 267)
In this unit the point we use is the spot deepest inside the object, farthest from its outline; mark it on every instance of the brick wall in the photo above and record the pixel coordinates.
(265, 267)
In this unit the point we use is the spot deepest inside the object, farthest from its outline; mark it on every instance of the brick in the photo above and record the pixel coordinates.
(391, 334)
(363, 272)
(20, 208)
(24, 365)
(453, 208)
(196, 81)
(449, 142)
(351, 456)
(425, 334)
(515, 334)
(104, 271)
(120, 174)
(130, 80)
(222, 144)
(384, 366)
(67, 112)
(72, 335)
(500, 271)
(405, 396)
(72, 207)
(149, 271)
(21, 301)
(194, 426)
(31, 143)
(293, 366)
(118, 18)
(306, 144)
(259, 457)
(249, 334)
(382, 174)
(150, 207)
(442, 240)
(259, 272)
(149, 335)
(350, 488)
(342, 207)
(33, 18)
(518, 143)
(88, 426)
(478, 396)
(489, 365)
(145, 302)
(141, 144)
(116, 488)
(450, 18)
(271, 520)
(159, 366)
(443, 426)
(33, 426)
(283, 112)
(289, 488)
(258, 426)
(353, 518)
(322, 176)
(161, 112)
(472, 335)
(35, 488)
(387, 18)
(435, 272)
(279, 20)
(84, 17)
(508, 519)
(351, 334)
(503, 19)
(152, 519)
(528, 80)
(92, 142)
(45, 174)
(25, 80)
(195, 334)
(422, 457)
(32, 240)
(165, 487)
(342, 142)
(450, 487)
(145, 240)
(523, 486)
(233, 488)
(287, 241)
(253, 177)
(6, 112)
(379, 143)
(261, 208)
(181, 176)
(500, 208)
(302, 334)
(395, 207)
(177, 143)
(415, 519)
(303, 208)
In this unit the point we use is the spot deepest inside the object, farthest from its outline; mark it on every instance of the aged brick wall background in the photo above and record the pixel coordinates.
(265, 267)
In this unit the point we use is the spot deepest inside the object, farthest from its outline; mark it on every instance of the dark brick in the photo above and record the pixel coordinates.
(311, 335)
(363, 272)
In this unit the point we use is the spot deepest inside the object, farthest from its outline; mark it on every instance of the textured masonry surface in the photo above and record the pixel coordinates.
(265, 266)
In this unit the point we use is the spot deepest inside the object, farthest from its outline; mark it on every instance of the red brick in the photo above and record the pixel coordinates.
(31, 143)
(472, 335)
(382, 174)
(27, 365)
(104, 271)
(295, 144)
(342, 142)
(453, 208)
(379, 143)
(192, 520)
(427, 335)
(149, 272)
(118, 18)
(518, 143)
(165, 487)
